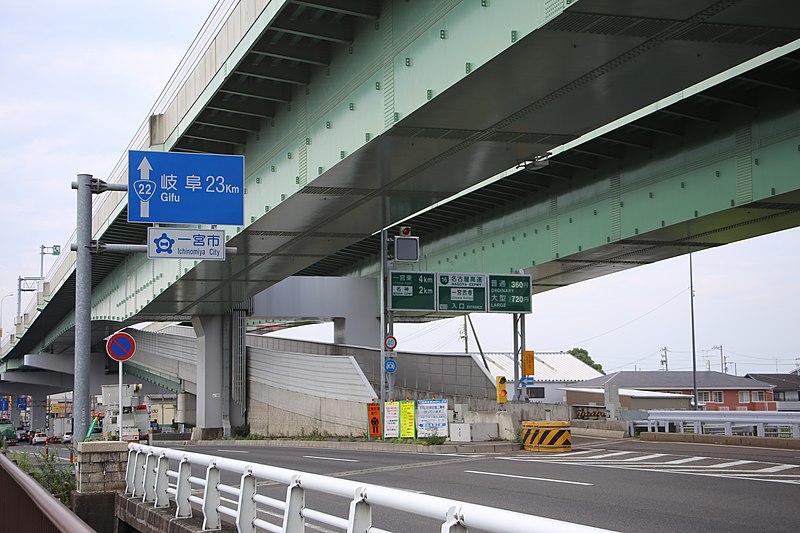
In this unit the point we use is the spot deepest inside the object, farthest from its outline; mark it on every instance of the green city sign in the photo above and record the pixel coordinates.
(462, 292)
(412, 291)
(510, 293)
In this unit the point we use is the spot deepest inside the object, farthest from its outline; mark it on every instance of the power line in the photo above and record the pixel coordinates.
(577, 343)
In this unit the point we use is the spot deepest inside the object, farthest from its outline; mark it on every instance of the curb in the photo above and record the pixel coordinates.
(473, 447)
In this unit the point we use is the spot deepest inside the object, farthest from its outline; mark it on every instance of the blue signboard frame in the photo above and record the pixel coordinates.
(183, 188)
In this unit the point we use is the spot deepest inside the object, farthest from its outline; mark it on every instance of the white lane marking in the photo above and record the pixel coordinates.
(644, 457)
(528, 477)
(732, 463)
(603, 456)
(776, 468)
(234, 451)
(684, 460)
(331, 459)
(570, 454)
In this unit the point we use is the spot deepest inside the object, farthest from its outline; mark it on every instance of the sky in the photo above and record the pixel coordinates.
(80, 77)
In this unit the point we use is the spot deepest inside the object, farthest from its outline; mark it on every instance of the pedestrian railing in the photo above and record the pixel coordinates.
(760, 423)
(149, 476)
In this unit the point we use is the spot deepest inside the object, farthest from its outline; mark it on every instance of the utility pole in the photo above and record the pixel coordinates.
(723, 364)
(465, 335)
(664, 359)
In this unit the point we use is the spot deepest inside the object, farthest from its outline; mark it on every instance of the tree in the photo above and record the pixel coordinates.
(583, 355)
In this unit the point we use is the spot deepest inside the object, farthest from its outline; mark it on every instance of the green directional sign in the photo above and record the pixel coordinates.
(412, 291)
(461, 292)
(510, 293)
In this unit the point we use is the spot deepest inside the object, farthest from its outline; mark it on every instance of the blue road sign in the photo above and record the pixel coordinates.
(390, 365)
(3, 403)
(22, 403)
(120, 346)
(527, 381)
(179, 188)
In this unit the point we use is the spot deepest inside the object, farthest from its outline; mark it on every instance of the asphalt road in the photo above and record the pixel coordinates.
(624, 485)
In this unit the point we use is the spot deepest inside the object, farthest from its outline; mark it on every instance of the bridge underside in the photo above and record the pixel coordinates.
(353, 119)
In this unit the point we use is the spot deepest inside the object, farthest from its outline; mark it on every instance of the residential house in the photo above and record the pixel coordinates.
(716, 391)
(786, 389)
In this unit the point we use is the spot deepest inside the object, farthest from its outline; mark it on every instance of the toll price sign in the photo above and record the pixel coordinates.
(510, 293)
(412, 291)
(462, 292)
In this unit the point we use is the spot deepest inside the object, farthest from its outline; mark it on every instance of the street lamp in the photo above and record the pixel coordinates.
(3, 299)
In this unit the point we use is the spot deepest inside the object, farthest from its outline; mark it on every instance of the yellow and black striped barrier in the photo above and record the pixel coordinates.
(547, 436)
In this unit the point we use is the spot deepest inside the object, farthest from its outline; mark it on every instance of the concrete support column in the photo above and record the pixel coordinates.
(14, 412)
(38, 412)
(209, 331)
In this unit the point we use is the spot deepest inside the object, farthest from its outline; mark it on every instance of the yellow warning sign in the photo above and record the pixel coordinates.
(527, 363)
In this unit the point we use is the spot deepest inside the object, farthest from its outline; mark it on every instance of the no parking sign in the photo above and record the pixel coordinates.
(120, 346)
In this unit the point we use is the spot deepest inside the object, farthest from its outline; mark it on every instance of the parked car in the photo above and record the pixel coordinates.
(39, 438)
(67, 438)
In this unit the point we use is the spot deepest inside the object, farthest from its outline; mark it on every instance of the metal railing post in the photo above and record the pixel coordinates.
(138, 474)
(162, 481)
(452, 523)
(211, 500)
(360, 518)
(184, 489)
(129, 470)
(293, 521)
(247, 505)
(149, 480)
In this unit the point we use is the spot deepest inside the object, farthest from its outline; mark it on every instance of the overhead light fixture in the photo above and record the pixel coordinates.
(538, 162)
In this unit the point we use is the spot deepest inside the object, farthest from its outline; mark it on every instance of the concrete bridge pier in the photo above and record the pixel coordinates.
(210, 371)
(38, 411)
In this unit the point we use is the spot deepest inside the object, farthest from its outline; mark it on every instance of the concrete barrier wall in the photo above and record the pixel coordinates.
(733, 440)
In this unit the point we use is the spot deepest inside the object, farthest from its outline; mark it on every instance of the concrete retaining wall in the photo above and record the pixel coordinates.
(290, 414)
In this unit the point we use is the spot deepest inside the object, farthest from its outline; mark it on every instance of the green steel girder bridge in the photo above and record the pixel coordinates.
(605, 137)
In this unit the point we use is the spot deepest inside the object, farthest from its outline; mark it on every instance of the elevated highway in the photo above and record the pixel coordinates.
(353, 116)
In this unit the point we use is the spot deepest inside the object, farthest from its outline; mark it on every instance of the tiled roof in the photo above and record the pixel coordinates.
(631, 393)
(677, 380)
(781, 381)
(551, 367)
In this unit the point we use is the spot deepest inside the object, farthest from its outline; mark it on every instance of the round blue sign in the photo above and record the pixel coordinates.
(390, 366)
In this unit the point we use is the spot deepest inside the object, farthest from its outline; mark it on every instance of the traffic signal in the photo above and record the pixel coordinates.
(500, 387)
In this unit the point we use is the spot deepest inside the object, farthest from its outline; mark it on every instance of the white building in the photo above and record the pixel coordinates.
(554, 371)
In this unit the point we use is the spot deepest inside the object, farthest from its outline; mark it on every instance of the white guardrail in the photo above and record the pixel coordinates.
(760, 420)
(149, 477)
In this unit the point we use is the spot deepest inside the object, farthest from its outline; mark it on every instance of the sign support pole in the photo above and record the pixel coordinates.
(83, 305)
(383, 315)
(119, 413)
(81, 404)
